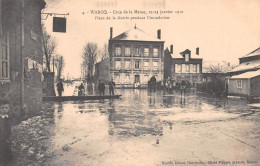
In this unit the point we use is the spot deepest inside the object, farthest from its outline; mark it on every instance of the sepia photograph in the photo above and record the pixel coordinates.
(129, 83)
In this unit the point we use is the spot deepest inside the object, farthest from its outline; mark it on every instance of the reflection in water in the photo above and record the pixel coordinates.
(130, 118)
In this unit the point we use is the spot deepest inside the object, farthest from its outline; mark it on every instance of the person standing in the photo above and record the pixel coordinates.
(81, 90)
(153, 82)
(101, 88)
(60, 88)
(111, 87)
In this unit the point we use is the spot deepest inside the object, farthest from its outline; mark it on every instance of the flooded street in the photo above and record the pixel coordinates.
(141, 128)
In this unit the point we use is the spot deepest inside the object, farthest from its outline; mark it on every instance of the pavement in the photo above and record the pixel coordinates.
(141, 128)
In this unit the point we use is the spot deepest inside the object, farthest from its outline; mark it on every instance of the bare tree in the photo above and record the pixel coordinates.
(104, 52)
(49, 45)
(90, 53)
(59, 65)
(221, 67)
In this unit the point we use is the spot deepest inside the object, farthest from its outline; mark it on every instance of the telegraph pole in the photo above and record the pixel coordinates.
(22, 56)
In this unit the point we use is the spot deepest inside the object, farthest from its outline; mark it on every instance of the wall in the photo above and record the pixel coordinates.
(255, 86)
(248, 59)
(167, 64)
(233, 90)
(144, 74)
(32, 50)
(102, 71)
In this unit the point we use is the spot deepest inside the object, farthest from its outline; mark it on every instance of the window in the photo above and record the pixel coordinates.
(118, 51)
(239, 84)
(127, 78)
(4, 58)
(186, 57)
(155, 52)
(198, 68)
(127, 51)
(146, 51)
(177, 68)
(137, 64)
(155, 65)
(117, 65)
(137, 51)
(194, 68)
(146, 65)
(146, 79)
(117, 78)
(127, 65)
(187, 68)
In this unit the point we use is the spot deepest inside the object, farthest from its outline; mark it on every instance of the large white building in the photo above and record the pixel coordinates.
(135, 57)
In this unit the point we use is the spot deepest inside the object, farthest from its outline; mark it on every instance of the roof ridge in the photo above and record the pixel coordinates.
(253, 51)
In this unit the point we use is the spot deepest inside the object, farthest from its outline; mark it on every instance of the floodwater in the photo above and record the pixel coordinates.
(141, 128)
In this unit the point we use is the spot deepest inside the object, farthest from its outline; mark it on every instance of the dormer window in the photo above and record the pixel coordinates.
(187, 58)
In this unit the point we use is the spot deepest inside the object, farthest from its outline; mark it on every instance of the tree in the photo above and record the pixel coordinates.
(217, 84)
(104, 52)
(49, 45)
(59, 65)
(90, 53)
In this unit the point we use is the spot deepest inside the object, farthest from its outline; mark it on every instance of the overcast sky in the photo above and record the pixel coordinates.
(223, 29)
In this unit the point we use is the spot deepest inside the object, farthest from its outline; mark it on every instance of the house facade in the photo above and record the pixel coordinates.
(135, 57)
(183, 66)
(244, 80)
(21, 54)
(246, 84)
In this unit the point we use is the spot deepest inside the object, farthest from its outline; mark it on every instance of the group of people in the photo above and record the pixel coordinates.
(101, 88)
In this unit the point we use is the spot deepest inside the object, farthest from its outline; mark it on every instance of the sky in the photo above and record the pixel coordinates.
(224, 30)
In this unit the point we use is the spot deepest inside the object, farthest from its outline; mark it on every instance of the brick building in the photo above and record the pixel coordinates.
(21, 51)
(135, 57)
(183, 66)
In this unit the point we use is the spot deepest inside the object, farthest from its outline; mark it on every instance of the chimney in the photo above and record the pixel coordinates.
(171, 49)
(111, 32)
(159, 34)
(197, 50)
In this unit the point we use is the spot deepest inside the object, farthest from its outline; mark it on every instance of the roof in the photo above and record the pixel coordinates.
(253, 65)
(249, 74)
(253, 53)
(136, 34)
(181, 55)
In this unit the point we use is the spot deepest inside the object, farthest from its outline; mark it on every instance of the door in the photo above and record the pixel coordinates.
(137, 78)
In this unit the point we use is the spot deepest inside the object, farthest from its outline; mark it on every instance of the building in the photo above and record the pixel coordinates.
(245, 84)
(102, 71)
(21, 54)
(135, 57)
(244, 80)
(249, 62)
(183, 66)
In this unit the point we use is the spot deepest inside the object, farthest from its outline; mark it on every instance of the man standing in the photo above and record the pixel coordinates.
(60, 88)
(81, 90)
(101, 88)
(111, 87)
(153, 82)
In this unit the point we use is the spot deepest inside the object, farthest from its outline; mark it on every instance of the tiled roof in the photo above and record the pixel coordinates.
(136, 34)
(253, 65)
(249, 74)
(253, 53)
